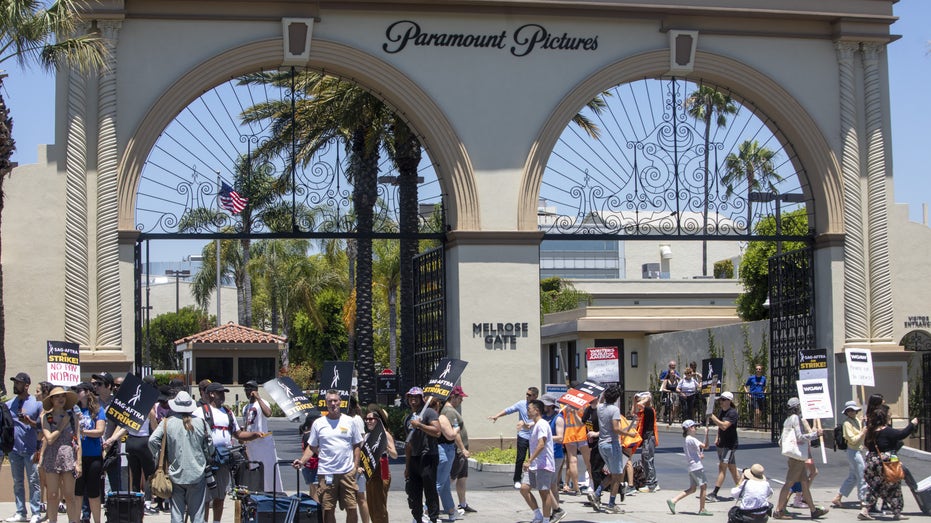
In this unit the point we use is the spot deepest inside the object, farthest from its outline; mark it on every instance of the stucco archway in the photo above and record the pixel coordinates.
(817, 158)
(453, 166)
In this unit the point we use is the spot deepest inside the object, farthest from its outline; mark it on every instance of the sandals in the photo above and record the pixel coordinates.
(837, 504)
(865, 517)
(781, 514)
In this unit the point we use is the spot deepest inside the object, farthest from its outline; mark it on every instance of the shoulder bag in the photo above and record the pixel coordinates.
(892, 467)
(789, 444)
(160, 483)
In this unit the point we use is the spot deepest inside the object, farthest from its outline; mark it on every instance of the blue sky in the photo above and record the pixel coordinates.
(29, 95)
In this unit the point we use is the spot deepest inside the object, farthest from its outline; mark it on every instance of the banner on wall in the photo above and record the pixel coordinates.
(64, 363)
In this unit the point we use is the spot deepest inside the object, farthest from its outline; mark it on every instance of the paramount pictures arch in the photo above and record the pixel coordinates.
(489, 118)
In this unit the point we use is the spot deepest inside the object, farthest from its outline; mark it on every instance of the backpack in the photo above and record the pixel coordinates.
(839, 442)
(7, 433)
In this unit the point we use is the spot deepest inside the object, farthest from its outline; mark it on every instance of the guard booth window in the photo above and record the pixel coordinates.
(258, 369)
(213, 369)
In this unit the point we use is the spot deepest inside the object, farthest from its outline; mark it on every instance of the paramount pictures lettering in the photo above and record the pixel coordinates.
(526, 39)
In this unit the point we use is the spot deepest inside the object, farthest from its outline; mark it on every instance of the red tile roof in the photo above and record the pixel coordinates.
(232, 333)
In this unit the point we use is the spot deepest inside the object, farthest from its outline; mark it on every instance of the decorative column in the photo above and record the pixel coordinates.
(77, 298)
(108, 282)
(880, 278)
(856, 313)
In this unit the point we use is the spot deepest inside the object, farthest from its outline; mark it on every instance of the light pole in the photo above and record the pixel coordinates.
(764, 197)
(177, 275)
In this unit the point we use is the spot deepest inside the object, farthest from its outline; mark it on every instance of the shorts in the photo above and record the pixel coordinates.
(613, 457)
(360, 482)
(758, 403)
(460, 467)
(342, 491)
(541, 479)
(222, 473)
(697, 478)
(728, 456)
(310, 475)
(89, 483)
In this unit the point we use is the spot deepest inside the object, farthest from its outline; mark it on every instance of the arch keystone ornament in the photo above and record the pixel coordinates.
(296, 36)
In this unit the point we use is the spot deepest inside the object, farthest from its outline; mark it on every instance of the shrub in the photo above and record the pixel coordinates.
(495, 455)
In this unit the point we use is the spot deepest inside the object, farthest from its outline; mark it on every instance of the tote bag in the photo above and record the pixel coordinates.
(789, 444)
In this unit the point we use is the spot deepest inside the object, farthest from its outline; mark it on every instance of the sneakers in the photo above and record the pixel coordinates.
(798, 502)
(557, 515)
(594, 500)
(818, 512)
(630, 491)
(672, 505)
(62, 508)
(467, 508)
(613, 509)
(21, 518)
(517, 485)
(722, 498)
(645, 490)
(151, 511)
(37, 518)
(711, 498)
(705, 513)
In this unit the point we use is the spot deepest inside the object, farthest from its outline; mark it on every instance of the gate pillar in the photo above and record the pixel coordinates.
(493, 307)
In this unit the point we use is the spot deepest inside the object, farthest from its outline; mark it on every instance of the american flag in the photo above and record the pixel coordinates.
(231, 200)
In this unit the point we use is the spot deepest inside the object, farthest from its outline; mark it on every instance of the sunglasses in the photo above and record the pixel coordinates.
(369, 419)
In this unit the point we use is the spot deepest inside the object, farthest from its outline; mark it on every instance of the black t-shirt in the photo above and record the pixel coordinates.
(727, 438)
(649, 418)
(421, 443)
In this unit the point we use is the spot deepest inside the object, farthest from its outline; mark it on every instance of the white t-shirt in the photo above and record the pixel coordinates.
(544, 460)
(693, 453)
(262, 449)
(253, 418)
(224, 425)
(335, 439)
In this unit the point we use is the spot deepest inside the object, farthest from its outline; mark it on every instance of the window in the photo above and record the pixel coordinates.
(258, 369)
(214, 369)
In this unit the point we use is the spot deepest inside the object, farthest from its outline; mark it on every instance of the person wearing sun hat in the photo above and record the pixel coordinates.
(753, 492)
(854, 434)
(61, 458)
(188, 449)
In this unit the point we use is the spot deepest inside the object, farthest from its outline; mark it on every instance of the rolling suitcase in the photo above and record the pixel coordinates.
(272, 507)
(124, 506)
(921, 490)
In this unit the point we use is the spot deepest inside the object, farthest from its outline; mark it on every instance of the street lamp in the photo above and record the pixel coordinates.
(765, 197)
(178, 275)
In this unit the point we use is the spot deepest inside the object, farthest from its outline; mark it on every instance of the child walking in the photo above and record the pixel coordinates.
(693, 453)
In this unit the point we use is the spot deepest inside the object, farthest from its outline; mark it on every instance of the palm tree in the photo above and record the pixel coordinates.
(753, 165)
(33, 34)
(387, 277)
(704, 104)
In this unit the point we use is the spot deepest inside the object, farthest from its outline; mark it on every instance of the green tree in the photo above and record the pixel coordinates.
(754, 165)
(754, 266)
(35, 33)
(557, 294)
(161, 333)
(313, 344)
(703, 104)
(387, 278)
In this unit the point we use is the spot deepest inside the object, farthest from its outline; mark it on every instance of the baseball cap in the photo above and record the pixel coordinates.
(415, 391)
(687, 424)
(851, 405)
(793, 402)
(457, 391)
(23, 377)
(727, 396)
(216, 387)
(548, 400)
(105, 377)
(251, 384)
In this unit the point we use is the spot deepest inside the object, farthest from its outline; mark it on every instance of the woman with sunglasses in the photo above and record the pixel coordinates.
(376, 489)
(93, 423)
(62, 456)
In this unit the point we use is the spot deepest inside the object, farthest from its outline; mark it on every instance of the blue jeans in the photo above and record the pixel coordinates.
(855, 476)
(447, 456)
(22, 467)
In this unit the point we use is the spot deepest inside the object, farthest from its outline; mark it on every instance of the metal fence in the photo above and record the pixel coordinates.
(671, 409)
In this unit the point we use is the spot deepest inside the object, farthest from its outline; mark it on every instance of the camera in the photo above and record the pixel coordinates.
(211, 478)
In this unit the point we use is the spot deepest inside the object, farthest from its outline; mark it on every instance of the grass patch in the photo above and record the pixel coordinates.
(497, 456)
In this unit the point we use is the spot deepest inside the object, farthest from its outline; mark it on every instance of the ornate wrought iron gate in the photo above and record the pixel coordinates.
(429, 314)
(920, 341)
(791, 324)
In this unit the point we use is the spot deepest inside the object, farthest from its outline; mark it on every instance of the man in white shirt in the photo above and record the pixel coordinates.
(336, 441)
(255, 418)
(540, 467)
(223, 428)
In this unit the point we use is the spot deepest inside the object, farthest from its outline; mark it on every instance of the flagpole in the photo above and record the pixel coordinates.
(219, 280)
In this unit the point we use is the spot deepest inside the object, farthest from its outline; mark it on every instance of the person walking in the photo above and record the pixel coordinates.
(61, 458)
(460, 471)
(255, 415)
(421, 457)
(756, 388)
(335, 439)
(540, 468)
(93, 424)
(694, 453)
(854, 434)
(188, 447)
(726, 442)
(611, 427)
(223, 428)
(446, 452)
(557, 428)
(796, 466)
(523, 430)
(376, 488)
(882, 441)
(646, 426)
(26, 412)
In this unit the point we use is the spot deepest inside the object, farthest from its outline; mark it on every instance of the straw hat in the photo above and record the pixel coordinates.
(755, 472)
(70, 398)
